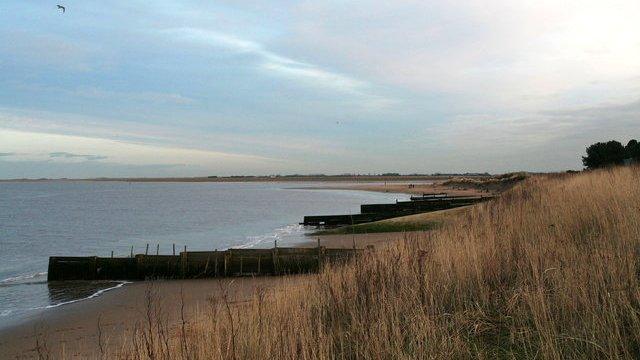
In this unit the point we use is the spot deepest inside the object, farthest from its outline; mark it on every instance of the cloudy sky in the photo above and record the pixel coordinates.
(186, 88)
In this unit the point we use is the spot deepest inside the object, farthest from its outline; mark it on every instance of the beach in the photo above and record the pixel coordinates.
(82, 218)
(78, 329)
(419, 187)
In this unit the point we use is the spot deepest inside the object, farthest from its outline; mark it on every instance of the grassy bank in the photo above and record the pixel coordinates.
(549, 270)
(378, 227)
(418, 222)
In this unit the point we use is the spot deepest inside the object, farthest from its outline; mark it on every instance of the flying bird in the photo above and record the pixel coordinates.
(60, 7)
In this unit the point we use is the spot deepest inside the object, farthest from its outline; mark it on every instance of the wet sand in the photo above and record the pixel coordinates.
(72, 329)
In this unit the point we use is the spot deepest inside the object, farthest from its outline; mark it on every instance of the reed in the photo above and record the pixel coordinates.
(549, 270)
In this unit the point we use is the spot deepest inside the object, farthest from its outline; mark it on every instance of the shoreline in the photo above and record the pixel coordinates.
(276, 178)
(72, 328)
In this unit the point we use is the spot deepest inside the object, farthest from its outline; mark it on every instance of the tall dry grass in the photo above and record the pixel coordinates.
(549, 270)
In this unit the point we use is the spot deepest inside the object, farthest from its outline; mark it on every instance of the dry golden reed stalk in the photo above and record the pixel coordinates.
(549, 270)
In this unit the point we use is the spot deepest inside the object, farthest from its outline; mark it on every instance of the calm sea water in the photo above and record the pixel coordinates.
(43, 219)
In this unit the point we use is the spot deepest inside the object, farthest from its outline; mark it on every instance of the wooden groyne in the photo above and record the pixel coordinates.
(197, 264)
(444, 196)
(337, 220)
(376, 212)
(418, 205)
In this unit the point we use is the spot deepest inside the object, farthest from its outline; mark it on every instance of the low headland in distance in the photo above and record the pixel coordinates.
(277, 177)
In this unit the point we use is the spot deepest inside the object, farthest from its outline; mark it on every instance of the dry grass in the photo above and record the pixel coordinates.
(549, 270)
(497, 183)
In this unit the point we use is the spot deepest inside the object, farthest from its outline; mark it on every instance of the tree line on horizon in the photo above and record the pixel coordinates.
(603, 154)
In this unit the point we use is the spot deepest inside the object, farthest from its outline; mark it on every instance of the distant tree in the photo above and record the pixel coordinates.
(604, 154)
(633, 149)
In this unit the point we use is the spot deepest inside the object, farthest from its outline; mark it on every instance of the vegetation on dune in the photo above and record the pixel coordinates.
(549, 270)
(603, 154)
(379, 227)
(497, 183)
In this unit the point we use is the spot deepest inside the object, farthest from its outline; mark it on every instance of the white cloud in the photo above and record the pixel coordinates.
(279, 65)
(499, 52)
(75, 157)
(34, 146)
(164, 135)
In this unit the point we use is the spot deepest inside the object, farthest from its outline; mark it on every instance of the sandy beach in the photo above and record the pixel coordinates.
(414, 188)
(73, 329)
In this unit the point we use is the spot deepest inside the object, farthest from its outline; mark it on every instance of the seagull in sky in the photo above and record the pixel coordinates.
(60, 7)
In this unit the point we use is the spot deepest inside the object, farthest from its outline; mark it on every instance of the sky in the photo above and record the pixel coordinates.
(200, 88)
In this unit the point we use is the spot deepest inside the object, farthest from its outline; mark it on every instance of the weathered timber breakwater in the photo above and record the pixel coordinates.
(246, 262)
(376, 212)
(198, 264)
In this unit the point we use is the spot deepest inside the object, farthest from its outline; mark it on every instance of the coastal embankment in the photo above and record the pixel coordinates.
(547, 270)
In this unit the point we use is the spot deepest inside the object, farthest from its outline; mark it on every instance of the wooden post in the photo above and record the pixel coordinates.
(216, 262)
(155, 262)
(355, 253)
(174, 249)
(226, 255)
(240, 265)
(158, 249)
(112, 254)
(206, 266)
(353, 234)
(146, 251)
(185, 265)
(131, 250)
(274, 257)
(319, 259)
(95, 274)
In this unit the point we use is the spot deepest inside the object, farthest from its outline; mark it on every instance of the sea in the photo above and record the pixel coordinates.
(91, 218)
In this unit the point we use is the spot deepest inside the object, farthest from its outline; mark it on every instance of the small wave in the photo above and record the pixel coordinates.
(10, 284)
(95, 294)
(253, 241)
(277, 234)
(5, 313)
(23, 278)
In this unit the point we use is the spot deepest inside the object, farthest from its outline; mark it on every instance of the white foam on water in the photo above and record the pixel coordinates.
(278, 234)
(23, 279)
(95, 294)
(28, 279)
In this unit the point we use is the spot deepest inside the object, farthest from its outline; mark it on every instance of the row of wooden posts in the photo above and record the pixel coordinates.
(197, 264)
(146, 251)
